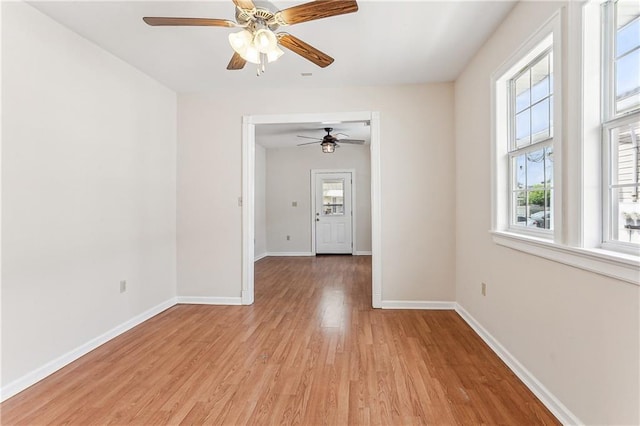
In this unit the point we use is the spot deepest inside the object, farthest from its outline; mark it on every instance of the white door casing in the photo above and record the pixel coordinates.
(332, 212)
(248, 192)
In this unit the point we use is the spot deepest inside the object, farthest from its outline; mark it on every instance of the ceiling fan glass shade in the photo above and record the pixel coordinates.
(240, 41)
(274, 54)
(265, 40)
(328, 147)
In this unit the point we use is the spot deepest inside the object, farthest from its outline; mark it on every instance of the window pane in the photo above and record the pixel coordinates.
(628, 31)
(521, 214)
(540, 124)
(548, 167)
(628, 81)
(520, 172)
(540, 80)
(627, 56)
(523, 128)
(625, 213)
(535, 170)
(333, 197)
(539, 208)
(523, 94)
(628, 73)
(626, 166)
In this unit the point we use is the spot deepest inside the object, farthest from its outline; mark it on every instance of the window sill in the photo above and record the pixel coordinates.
(624, 267)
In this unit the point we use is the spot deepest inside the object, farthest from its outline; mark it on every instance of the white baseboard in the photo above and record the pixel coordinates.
(362, 253)
(51, 367)
(417, 304)
(260, 256)
(554, 405)
(290, 253)
(196, 300)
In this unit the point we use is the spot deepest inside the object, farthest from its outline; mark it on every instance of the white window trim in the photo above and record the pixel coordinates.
(615, 265)
(576, 244)
(500, 164)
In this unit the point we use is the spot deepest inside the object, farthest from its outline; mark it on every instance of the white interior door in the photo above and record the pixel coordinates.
(333, 215)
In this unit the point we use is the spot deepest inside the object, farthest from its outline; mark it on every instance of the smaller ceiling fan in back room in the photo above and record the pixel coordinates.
(329, 143)
(257, 42)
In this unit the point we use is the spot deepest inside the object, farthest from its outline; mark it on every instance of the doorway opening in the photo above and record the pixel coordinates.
(249, 124)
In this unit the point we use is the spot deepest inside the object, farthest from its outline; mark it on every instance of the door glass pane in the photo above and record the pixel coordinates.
(333, 197)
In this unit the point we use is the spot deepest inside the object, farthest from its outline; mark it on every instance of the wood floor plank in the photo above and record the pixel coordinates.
(310, 350)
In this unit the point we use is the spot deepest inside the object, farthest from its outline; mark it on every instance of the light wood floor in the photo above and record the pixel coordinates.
(310, 351)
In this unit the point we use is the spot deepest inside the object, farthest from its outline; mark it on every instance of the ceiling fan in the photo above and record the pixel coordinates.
(257, 42)
(329, 142)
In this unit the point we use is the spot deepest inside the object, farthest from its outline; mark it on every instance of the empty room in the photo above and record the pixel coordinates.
(329, 212)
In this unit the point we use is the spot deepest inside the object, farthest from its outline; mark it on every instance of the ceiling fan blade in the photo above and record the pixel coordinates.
(309, 137)
(194, 22)
(352, 141)
(244, 4)
(305, 50)
(236, 62)
(308, 143)
(316, 10)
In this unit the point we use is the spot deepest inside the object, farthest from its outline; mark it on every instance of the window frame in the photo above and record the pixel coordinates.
(513, 151)
(504, 148)
(610, 120)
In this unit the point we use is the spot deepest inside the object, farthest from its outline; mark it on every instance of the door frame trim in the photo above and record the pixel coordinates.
(249, 123)
(314, 175)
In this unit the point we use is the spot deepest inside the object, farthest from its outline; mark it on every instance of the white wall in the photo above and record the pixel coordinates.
(260, 247)
(289, 179)
(417, 174)
(576, 331)
(88, 191)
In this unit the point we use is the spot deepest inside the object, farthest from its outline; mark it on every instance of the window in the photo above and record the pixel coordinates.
(565, 175)
(526, 100)
(621, 124)
(530, 145)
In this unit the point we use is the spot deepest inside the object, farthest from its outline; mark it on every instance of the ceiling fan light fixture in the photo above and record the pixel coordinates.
(328, 147)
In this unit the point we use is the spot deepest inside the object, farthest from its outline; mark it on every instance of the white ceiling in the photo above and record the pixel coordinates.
(384, 43)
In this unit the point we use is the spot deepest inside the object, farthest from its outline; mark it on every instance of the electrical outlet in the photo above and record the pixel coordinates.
(123, 286)
(288, 237)
(294, 204)
(484, 289)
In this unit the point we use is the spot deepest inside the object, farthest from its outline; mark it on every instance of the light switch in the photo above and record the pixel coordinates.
(294, 204)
